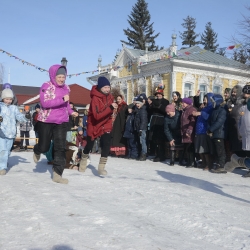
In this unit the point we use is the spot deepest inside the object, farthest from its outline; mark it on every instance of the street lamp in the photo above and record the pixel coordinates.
(64, 61)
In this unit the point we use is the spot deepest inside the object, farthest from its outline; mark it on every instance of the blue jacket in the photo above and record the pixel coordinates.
(85, 123)
(217, 120)
(129, 126)
(202, 120)
(10, 114)
(141, 118)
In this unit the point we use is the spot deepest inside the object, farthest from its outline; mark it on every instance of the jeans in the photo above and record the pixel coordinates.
(5, 147)
(25, 134)
(132, 148)
(143, 142)
(57, 132)
(247, 162)
(105, 142)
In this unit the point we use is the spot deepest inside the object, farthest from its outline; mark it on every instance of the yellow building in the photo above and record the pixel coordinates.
(186, 71)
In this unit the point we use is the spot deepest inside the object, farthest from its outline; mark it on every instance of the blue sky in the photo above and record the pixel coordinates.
(42, 32)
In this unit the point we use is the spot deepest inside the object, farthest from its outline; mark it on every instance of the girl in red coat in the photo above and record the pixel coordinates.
(99, 123)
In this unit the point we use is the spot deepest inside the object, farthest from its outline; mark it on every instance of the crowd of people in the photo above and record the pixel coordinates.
(211, 134)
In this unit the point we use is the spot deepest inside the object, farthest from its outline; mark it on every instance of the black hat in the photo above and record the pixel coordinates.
(37, 106)
(102, 81)
(246, 89)
(130, 106)
(139, 99)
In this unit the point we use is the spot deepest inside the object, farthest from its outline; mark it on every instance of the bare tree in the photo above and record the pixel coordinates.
(243, 37)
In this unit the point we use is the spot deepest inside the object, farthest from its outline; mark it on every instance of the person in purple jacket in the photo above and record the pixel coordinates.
(53, 120)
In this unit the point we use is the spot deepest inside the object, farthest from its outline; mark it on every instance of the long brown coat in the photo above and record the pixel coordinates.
(188, 124)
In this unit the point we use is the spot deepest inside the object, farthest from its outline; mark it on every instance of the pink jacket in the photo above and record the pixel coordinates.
(53, 108)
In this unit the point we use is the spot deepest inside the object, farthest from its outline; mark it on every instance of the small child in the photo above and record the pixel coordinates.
(129, 133)
(8, 116)
(141, 124)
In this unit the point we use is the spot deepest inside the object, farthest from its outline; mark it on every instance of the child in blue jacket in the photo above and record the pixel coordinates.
(129, 133)
(8, 116)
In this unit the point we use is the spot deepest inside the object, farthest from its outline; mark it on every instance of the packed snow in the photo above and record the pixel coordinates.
(138, 205)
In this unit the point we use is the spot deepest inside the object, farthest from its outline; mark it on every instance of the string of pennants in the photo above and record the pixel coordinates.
(129, 65)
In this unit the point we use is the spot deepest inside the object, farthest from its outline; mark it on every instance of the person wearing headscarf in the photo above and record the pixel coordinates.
(176, 100)
(53, 120)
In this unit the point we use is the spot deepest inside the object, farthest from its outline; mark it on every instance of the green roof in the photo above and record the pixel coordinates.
(206, 57)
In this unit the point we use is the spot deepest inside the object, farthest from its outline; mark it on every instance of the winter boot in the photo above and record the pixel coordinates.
(190, 163)
(208, 162)
(83, 162)
(36, 157)
(143, 157)
(101, 166)
(3, 172)
(246, 175)
(203, 163)
(58, 178)
(172, 157)
(234, 163)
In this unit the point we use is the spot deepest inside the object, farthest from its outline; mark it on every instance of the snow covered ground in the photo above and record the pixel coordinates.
(138, 205)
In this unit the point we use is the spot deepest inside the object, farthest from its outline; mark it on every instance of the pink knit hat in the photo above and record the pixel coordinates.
(170, 108)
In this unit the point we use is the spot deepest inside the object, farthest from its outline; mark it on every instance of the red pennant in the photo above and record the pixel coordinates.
(187, 53)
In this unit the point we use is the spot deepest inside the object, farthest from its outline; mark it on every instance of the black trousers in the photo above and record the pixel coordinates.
(105, 142)
(57, 132)
(25, 134)
(219, 146)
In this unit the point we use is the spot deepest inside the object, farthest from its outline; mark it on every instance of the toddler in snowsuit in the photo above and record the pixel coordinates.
(8, 116)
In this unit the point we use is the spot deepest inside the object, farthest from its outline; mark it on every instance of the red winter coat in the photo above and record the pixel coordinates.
(188, 124)
(100, 113)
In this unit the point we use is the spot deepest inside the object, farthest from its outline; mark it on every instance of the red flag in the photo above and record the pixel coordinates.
(231, 47)
(187, 53)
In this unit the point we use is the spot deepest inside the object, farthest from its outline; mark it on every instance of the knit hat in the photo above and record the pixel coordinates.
(61, 71)
(188, 101)
(139, 100)
(37, 106)
(170, 108)
(143, 96)
(79, 129)
(87, 106)
(7, 93)
(130, 106)
(26, 108)
(160, 89)
(134, 99)
(7, 86)
(246, 89)
(102, 81)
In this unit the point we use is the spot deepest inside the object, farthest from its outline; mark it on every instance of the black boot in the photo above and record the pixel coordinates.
(190, 163)
(143, 157)
(172, 157)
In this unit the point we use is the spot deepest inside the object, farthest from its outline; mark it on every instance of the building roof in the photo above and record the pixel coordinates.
(204, 56)
(79, 95)
(25, 90)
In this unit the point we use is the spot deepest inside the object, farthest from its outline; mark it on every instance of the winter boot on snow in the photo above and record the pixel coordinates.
(58, 178)
(83, 162)
(143, 157)
(246, 175)
(172, 158)
(36, 157)
(234, 163)
(3, 172)
(101, 166)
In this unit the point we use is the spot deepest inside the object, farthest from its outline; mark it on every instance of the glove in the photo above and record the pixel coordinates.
(140, 133)
(209, 133)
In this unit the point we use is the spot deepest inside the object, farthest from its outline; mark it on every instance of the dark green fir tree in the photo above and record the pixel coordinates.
(189, 36)
(141, 30)
(209, 38)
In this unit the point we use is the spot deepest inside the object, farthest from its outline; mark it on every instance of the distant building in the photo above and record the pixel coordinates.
(187, 70)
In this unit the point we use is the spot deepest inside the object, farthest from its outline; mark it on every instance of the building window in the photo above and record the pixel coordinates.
(216, 90)
(125, 94)
(187, 90)
(142, 89)
(203, 91)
